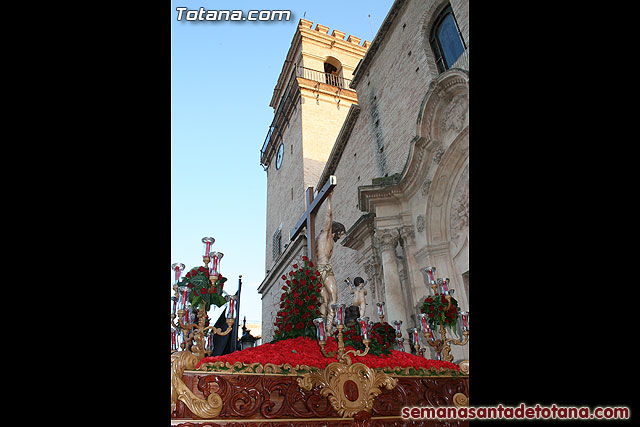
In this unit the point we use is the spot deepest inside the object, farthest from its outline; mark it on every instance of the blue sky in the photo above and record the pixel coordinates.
(222, 79)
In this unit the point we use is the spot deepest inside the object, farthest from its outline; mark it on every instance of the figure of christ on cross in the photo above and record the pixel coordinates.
(320, 249)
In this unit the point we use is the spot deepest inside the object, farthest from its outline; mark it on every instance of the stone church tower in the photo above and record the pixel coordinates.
(399, 152)
(310, 101)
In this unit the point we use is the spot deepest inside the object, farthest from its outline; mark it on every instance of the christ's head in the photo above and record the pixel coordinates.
(337, 230)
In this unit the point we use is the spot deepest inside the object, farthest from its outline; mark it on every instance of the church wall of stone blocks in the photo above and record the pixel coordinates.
(401, 160)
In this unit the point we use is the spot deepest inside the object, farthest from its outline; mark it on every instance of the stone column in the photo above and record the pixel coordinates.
(387, 241)
(415, 277)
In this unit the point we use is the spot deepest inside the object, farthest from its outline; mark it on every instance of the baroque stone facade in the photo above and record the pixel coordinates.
(401, 158)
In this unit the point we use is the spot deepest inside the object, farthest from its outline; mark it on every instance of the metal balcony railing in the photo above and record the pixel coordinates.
(322, 77)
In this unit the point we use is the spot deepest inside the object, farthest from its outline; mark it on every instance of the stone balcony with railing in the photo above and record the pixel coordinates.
(322, 77)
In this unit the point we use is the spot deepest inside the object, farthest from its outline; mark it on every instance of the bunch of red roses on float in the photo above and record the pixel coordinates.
(435, 307)
(202, 291)
(299, 302)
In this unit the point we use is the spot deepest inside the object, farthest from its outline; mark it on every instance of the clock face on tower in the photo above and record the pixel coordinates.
(279, 156)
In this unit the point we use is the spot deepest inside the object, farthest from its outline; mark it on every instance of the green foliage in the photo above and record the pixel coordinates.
(435, 307)
(382, 337)
(202, 292)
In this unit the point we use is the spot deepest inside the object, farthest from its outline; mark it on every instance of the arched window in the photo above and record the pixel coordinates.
(333, 72)
(446, 40)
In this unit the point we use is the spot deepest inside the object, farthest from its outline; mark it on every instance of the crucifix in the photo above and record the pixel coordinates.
(308, 219)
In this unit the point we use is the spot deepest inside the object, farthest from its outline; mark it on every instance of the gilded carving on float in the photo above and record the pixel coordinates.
(460, 400)
(350, 388)
(209, 408)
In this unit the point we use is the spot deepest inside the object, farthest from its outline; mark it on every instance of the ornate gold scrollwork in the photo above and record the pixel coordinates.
(464, 367)
(350, 388)
(209, 408)
(460, 400)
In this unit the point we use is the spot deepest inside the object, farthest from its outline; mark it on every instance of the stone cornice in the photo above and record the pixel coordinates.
(368, 195)
(354, 238)
(309, 87)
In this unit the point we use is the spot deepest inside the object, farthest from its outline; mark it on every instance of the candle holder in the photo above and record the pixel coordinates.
(192, 325)
(442, 345)
(207, 243)
(380, 306)
(178, 268)
(214, 270)
(341, 353)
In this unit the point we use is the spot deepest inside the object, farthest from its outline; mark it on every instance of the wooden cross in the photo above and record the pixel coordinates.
(308, 219)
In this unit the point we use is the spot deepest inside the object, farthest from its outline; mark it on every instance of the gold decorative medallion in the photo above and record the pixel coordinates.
(350, 388)
(209, 408)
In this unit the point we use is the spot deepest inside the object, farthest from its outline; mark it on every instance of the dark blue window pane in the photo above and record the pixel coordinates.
(450, 40)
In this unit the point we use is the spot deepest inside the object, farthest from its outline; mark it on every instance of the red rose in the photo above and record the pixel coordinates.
(203, 291)
(317, 273)
(307, 272)
(295, 281)
(288, 282)
(288, 328)
(190, 285)
(284, 288)
(305, 258)
(300, 325)
(429, 300)
(291, 273)
(430, 315)
(313, 277)
(313, 298)
(295, 265)
(431, 308)
(310, 264)
(188, 274)
(284, 277)
(312, 307)
(303, 282)
(307, 298)
(200, 269)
